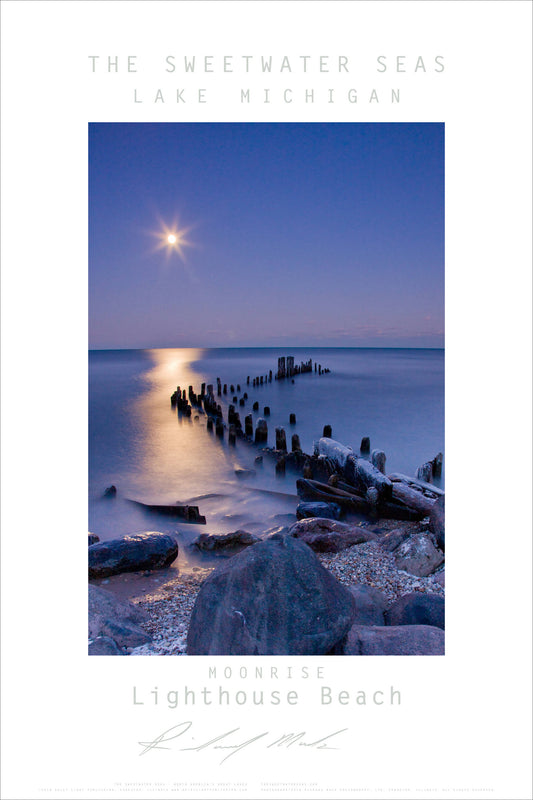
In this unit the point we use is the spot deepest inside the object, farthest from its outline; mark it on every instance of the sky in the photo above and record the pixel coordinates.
(288, 234)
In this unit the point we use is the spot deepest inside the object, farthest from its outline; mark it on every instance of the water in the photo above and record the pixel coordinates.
(154, 455)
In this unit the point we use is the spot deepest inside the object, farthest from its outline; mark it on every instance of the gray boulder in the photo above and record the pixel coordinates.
(417, 608)
(403, 640)
(318, 509)
(226, 542)
(275, 598)
(139, 551)
(418, 555)
(329, 536)
(104, 646)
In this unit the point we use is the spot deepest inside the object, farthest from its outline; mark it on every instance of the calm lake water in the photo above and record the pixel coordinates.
(155, 455)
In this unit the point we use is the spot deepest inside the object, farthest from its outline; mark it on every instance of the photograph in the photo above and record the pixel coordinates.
(266, 389)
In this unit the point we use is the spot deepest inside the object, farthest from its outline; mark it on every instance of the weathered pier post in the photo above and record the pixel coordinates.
(425, 472)
(378, 460)
(225, 389)
(255, 406)
(280, 466)
(295, 443)
(219, 428)
(437, 465)
(327, 431)
(248, 380)
(231, 434)
(292, 419)
(266, 411)
(249, 426)
(242, 401)
(210, 423)
(261, 431)
(281, 441)
(365, 445)
(290, 366)
(270, 376)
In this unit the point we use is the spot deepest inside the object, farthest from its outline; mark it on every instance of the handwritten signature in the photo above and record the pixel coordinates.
(286, 740)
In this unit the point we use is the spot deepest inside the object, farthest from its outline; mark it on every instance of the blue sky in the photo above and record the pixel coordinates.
(302, 234)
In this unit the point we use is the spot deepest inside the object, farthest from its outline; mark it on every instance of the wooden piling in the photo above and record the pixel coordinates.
(295, 443)
(281, 441)
(249, 425)
(327, 431)
(261, 431)
(266, 411)
(365, 445)
(292, 419)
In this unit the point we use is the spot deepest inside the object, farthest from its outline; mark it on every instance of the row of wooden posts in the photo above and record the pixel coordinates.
(184, 401)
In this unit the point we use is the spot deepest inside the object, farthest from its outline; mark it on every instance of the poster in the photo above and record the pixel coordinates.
(79, 727)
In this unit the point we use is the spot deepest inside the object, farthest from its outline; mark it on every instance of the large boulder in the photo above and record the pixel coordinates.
(274, 598)
(329, 536)
(318, 509)
(403, 640)
(139, 551)
(115, 619)
(417, 608)
(418, 555)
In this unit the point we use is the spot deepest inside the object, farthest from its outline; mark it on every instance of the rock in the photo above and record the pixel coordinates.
(111, 491)
(104, 646)
(235, 541)
(436, 521)
(418, 555)
(151, 550)
(417, 608)
(124, 634)
(317, 509)
(401, 640)
(393, 539)
(275, 598)
(439, 577)
(365, 445)
(116, 619)
(242, 472)
(370, 605)
(329, 536)
(93, 538)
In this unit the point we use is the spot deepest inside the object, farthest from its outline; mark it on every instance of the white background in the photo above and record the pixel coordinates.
(70, 729)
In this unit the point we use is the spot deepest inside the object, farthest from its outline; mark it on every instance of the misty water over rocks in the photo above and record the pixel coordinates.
(154, 455)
